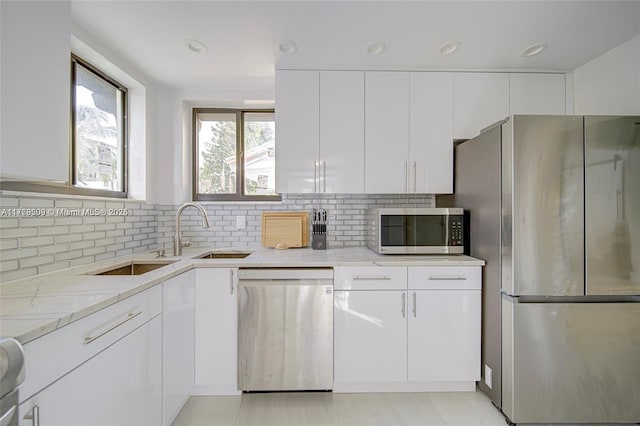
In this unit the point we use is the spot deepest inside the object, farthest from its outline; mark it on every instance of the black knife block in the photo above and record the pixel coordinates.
(319, 241)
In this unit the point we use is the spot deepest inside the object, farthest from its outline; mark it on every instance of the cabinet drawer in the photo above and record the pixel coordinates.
(370, 278)
(445, 277)
(53, 355)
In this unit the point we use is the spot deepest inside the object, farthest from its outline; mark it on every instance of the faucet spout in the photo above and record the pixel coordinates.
(177, 239)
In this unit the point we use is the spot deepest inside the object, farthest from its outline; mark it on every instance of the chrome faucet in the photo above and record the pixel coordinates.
(177, 239)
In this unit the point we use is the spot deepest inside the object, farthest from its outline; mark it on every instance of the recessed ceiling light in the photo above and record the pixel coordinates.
(375, 48)
(449, 47)
(533, 50)
(288, 46)
(197, 46)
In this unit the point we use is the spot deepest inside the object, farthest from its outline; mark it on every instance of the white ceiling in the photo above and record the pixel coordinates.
(243, 37)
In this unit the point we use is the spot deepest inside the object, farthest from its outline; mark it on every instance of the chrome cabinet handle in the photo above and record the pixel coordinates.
(404, 312)
(376, 278)
(447, 278)
(406, 178)
(414, 176)
(129, 317)
(34, 416)
(324, 175)
(315, 176)
(5, 420)
(231, 282)
(415, 307)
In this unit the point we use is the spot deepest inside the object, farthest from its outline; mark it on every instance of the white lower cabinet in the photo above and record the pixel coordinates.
(178, 342)
(370, 337)
(423, 338)
(444, 323)
(444, 336)
(216, 332)
(119, 386)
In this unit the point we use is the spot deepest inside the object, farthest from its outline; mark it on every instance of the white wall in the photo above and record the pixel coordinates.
(141, 91)
(173, 148)
(35, 78)
(610, 84)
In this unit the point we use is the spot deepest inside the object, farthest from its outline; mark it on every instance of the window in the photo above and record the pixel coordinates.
(99, 131)
(234, 155)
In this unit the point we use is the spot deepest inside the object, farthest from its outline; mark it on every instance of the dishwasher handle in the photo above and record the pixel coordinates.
(285, 274)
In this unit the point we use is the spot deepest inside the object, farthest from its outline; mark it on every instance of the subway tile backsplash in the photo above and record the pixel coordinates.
(40, 234)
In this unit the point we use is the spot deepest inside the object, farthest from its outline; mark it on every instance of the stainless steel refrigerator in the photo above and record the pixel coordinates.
(554, 208)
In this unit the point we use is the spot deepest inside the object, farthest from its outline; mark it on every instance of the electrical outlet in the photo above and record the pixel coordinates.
(241, 222)
(487, 376)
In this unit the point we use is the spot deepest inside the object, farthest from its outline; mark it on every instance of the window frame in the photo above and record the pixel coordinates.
(239, 195)
(124, 157)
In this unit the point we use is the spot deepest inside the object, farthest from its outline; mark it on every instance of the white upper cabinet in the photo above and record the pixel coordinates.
(386, 132)
(479, 100)
(297, 130)
(341, 165)
(531, 93)
(431, 132)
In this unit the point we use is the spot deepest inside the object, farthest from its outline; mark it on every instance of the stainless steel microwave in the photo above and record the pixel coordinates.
(416, 230)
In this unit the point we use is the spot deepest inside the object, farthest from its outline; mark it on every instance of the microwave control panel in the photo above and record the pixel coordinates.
(456, 230)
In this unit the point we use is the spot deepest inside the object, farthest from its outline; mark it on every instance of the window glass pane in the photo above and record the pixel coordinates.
(216, 153)
(99, 118)
(259, 154)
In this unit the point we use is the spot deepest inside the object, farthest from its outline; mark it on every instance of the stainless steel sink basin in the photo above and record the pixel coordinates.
(224, 255)
(134, 268)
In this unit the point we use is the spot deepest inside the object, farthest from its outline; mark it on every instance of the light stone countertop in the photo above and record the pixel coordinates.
(32, 307)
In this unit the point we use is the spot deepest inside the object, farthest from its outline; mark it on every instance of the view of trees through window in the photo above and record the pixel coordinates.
(98, 134)
(231, 163)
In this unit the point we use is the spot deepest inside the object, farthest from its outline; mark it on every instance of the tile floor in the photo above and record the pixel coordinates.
(371, 409)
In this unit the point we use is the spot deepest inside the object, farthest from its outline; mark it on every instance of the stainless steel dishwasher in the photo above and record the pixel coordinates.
(285, 331)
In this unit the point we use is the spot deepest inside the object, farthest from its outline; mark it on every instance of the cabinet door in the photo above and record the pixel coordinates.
(178, 340)
(537, 94)
(370, 336)
(342, 131)
(297, 131)
(479, 100)
(431, 132)
(444, 335)
(386, 132)
(216, 332)
(119, 386)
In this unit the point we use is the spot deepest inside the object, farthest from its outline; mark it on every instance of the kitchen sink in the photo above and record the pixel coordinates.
(134, 268)
(224, 255)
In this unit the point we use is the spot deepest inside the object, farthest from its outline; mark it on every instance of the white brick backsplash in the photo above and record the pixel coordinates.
(82, 245)
(35, 202)
(82, 261)
(35, 261)
(36, 222)
(69, 204)
(8, 265)
(68, 238)
(17, 274)
(8, 244)
(19, 232)
(6, 223)
(52, 267)
(58, 248)
(55, 230)
(18, 254)
(38, 245)
(6, 202)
